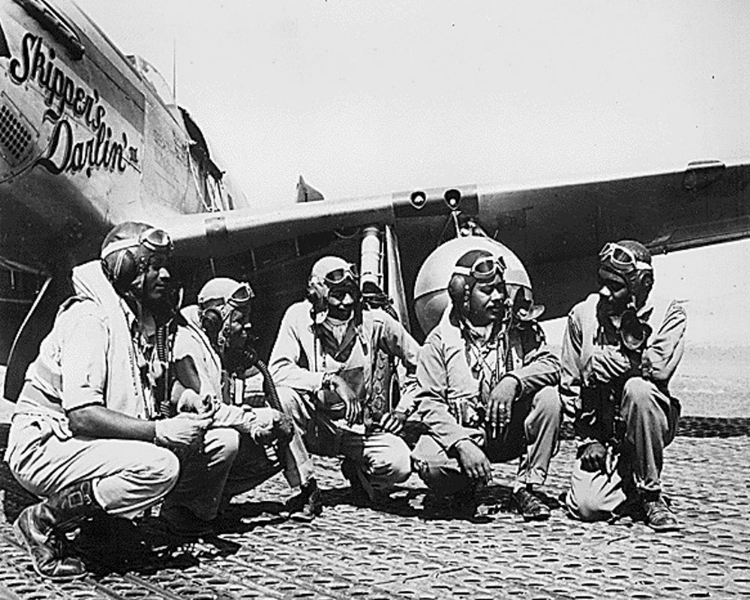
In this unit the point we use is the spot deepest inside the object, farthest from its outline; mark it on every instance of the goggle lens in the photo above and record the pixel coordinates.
(339, 276)
(156, 240)
(485, 268)
(242, 295)
(621, 259)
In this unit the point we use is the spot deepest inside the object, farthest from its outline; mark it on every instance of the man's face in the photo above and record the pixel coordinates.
(487, 302)
(156, 278)
(618, 293)
(341, 300)
(614, 289)
(236, 329)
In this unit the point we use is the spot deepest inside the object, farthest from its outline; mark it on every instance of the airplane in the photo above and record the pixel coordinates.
(90, 137)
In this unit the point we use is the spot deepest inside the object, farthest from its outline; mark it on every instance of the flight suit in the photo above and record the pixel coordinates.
(89, 358)
(454, 384)
(303, 353)
(621, 399)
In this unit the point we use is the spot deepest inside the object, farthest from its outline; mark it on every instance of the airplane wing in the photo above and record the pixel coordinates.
(555, 228)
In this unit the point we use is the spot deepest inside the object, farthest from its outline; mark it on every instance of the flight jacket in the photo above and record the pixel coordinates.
(446, 381)
(595, 365)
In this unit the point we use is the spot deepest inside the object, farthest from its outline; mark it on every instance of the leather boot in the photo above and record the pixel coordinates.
(306, 505)
(40, 529)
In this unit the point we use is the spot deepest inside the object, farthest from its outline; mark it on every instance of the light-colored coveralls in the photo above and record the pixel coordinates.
(456, 372)
(89, 358)
(230, 462)
(620, 404)
(303, 353)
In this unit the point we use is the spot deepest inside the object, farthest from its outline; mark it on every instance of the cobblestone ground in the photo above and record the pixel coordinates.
(399, 551)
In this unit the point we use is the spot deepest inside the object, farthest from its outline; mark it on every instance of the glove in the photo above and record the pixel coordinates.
(180, 431)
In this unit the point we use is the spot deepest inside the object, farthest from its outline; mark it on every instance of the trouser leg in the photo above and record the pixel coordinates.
(298, 468)
(251, 467)
(542, 431)
(384, 458)
(440, 472)
(129, 476)
(204, 473)
(650, 424)
(533, 434)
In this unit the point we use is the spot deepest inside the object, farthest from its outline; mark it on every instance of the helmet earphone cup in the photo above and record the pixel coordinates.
(212, 322)
(459, 291)
(121, 268)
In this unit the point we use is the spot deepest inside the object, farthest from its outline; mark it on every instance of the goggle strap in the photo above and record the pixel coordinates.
(118, 245)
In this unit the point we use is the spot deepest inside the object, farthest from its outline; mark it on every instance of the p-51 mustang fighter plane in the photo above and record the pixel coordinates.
(90, 138)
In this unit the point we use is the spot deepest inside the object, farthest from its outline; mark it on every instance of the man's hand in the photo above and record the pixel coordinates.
(474, 461)
(265, 425)
(181, 431)
(500, 405)
(393, 422)
(342, 389)
(594, 457)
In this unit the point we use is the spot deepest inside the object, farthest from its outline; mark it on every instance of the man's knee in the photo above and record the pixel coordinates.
(585, 506)
(162, 469)
(292, 402)
(391, 464)
(548, 403)
(639, 392)
(222, 443)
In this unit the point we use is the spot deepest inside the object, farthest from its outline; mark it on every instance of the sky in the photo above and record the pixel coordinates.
(366, 97)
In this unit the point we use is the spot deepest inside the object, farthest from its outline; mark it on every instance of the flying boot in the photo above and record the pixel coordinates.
(41, 528)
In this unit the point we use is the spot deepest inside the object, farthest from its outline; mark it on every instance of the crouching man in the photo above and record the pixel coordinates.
(487, 393)
(324, 362)
(83, 436)
(208, 355)
(615, 378)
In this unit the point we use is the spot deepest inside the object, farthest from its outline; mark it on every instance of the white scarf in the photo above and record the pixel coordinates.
(125, 391)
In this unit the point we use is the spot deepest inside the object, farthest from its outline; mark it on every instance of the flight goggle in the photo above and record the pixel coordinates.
(341, 275)
(484, 269)
(241, 296)
(621, 258)
(153, 239)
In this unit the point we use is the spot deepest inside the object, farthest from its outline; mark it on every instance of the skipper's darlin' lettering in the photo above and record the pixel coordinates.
(61, 92)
